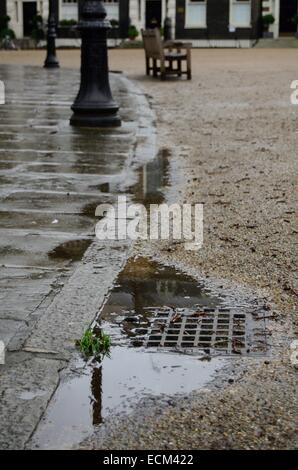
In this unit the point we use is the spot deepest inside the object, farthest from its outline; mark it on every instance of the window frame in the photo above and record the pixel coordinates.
(196, 2)
(239, 25)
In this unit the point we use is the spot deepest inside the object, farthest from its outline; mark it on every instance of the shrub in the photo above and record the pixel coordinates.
(5, 31)
(295, 19)
(114, 23)
(268, 20)
(133, 32)
(67, 22)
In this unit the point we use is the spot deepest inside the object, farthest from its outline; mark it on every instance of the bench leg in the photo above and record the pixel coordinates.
(154, 68)
(147, 66)
(188, 62)
(179, 69)
(162, 70)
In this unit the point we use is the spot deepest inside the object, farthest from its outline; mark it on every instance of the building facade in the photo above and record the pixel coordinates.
(21, 12)
(283, 12)
(207, 23)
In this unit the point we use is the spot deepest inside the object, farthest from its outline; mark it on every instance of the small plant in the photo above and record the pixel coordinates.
(37, 28)
(114, 23)
(295, 19)
(67, 22)
(5, 31)
(97, 345)
(133, 32)
(267, 21)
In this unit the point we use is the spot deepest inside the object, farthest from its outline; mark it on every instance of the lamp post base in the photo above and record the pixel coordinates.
(51, 63)
(95, 120)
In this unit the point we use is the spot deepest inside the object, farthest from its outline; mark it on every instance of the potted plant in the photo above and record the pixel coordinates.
(267, 21)
(37, 33)
(67, 30)
(132, 32)
(5, 31)
(113, 33)
(295, 21)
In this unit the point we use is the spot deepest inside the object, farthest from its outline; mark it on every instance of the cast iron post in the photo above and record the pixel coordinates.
(94, 105)
(51, 61)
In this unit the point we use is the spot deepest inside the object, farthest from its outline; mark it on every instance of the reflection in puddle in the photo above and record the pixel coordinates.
(152, 179)
(84, 401)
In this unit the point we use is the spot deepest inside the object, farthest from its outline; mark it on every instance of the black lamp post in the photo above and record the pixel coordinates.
(51, 61)
(94, 105)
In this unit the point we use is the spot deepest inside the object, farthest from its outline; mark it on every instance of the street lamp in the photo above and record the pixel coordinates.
(94, 105)
(51, 61)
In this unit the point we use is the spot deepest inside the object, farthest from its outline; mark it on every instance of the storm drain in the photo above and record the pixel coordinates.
(223, 331)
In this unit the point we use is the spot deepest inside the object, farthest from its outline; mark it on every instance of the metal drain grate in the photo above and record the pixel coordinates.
(221, 330)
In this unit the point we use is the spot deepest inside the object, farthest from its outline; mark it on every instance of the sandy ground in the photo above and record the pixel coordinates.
(232, 137)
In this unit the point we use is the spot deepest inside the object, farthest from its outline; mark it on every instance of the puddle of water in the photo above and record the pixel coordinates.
(156, 306)
(83, 402)
(72, 249)
(97, 391)
(93, 392)
(152, 179)
(141, 289)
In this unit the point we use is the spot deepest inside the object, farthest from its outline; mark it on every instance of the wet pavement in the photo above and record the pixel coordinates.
(183, 355)
(52, 178)
(49, 176)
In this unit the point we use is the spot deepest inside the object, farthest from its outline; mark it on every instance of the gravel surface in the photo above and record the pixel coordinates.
(231, 136)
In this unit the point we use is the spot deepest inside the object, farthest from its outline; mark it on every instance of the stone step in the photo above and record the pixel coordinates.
(288, 42)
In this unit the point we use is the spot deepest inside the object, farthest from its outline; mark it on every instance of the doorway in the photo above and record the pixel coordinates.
(288, 8)
(153, 14)
(29, 12)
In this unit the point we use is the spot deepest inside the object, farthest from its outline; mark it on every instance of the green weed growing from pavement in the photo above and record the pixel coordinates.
(97, 345)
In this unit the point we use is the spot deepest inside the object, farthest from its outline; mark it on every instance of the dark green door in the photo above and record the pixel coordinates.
(29, 12)
(153, 13)
(288, 8)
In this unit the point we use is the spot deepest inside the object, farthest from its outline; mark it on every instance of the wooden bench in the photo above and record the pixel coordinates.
(165, 58)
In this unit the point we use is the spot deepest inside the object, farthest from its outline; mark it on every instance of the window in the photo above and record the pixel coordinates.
(240, 13)
(195, 14)
(112, 8)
